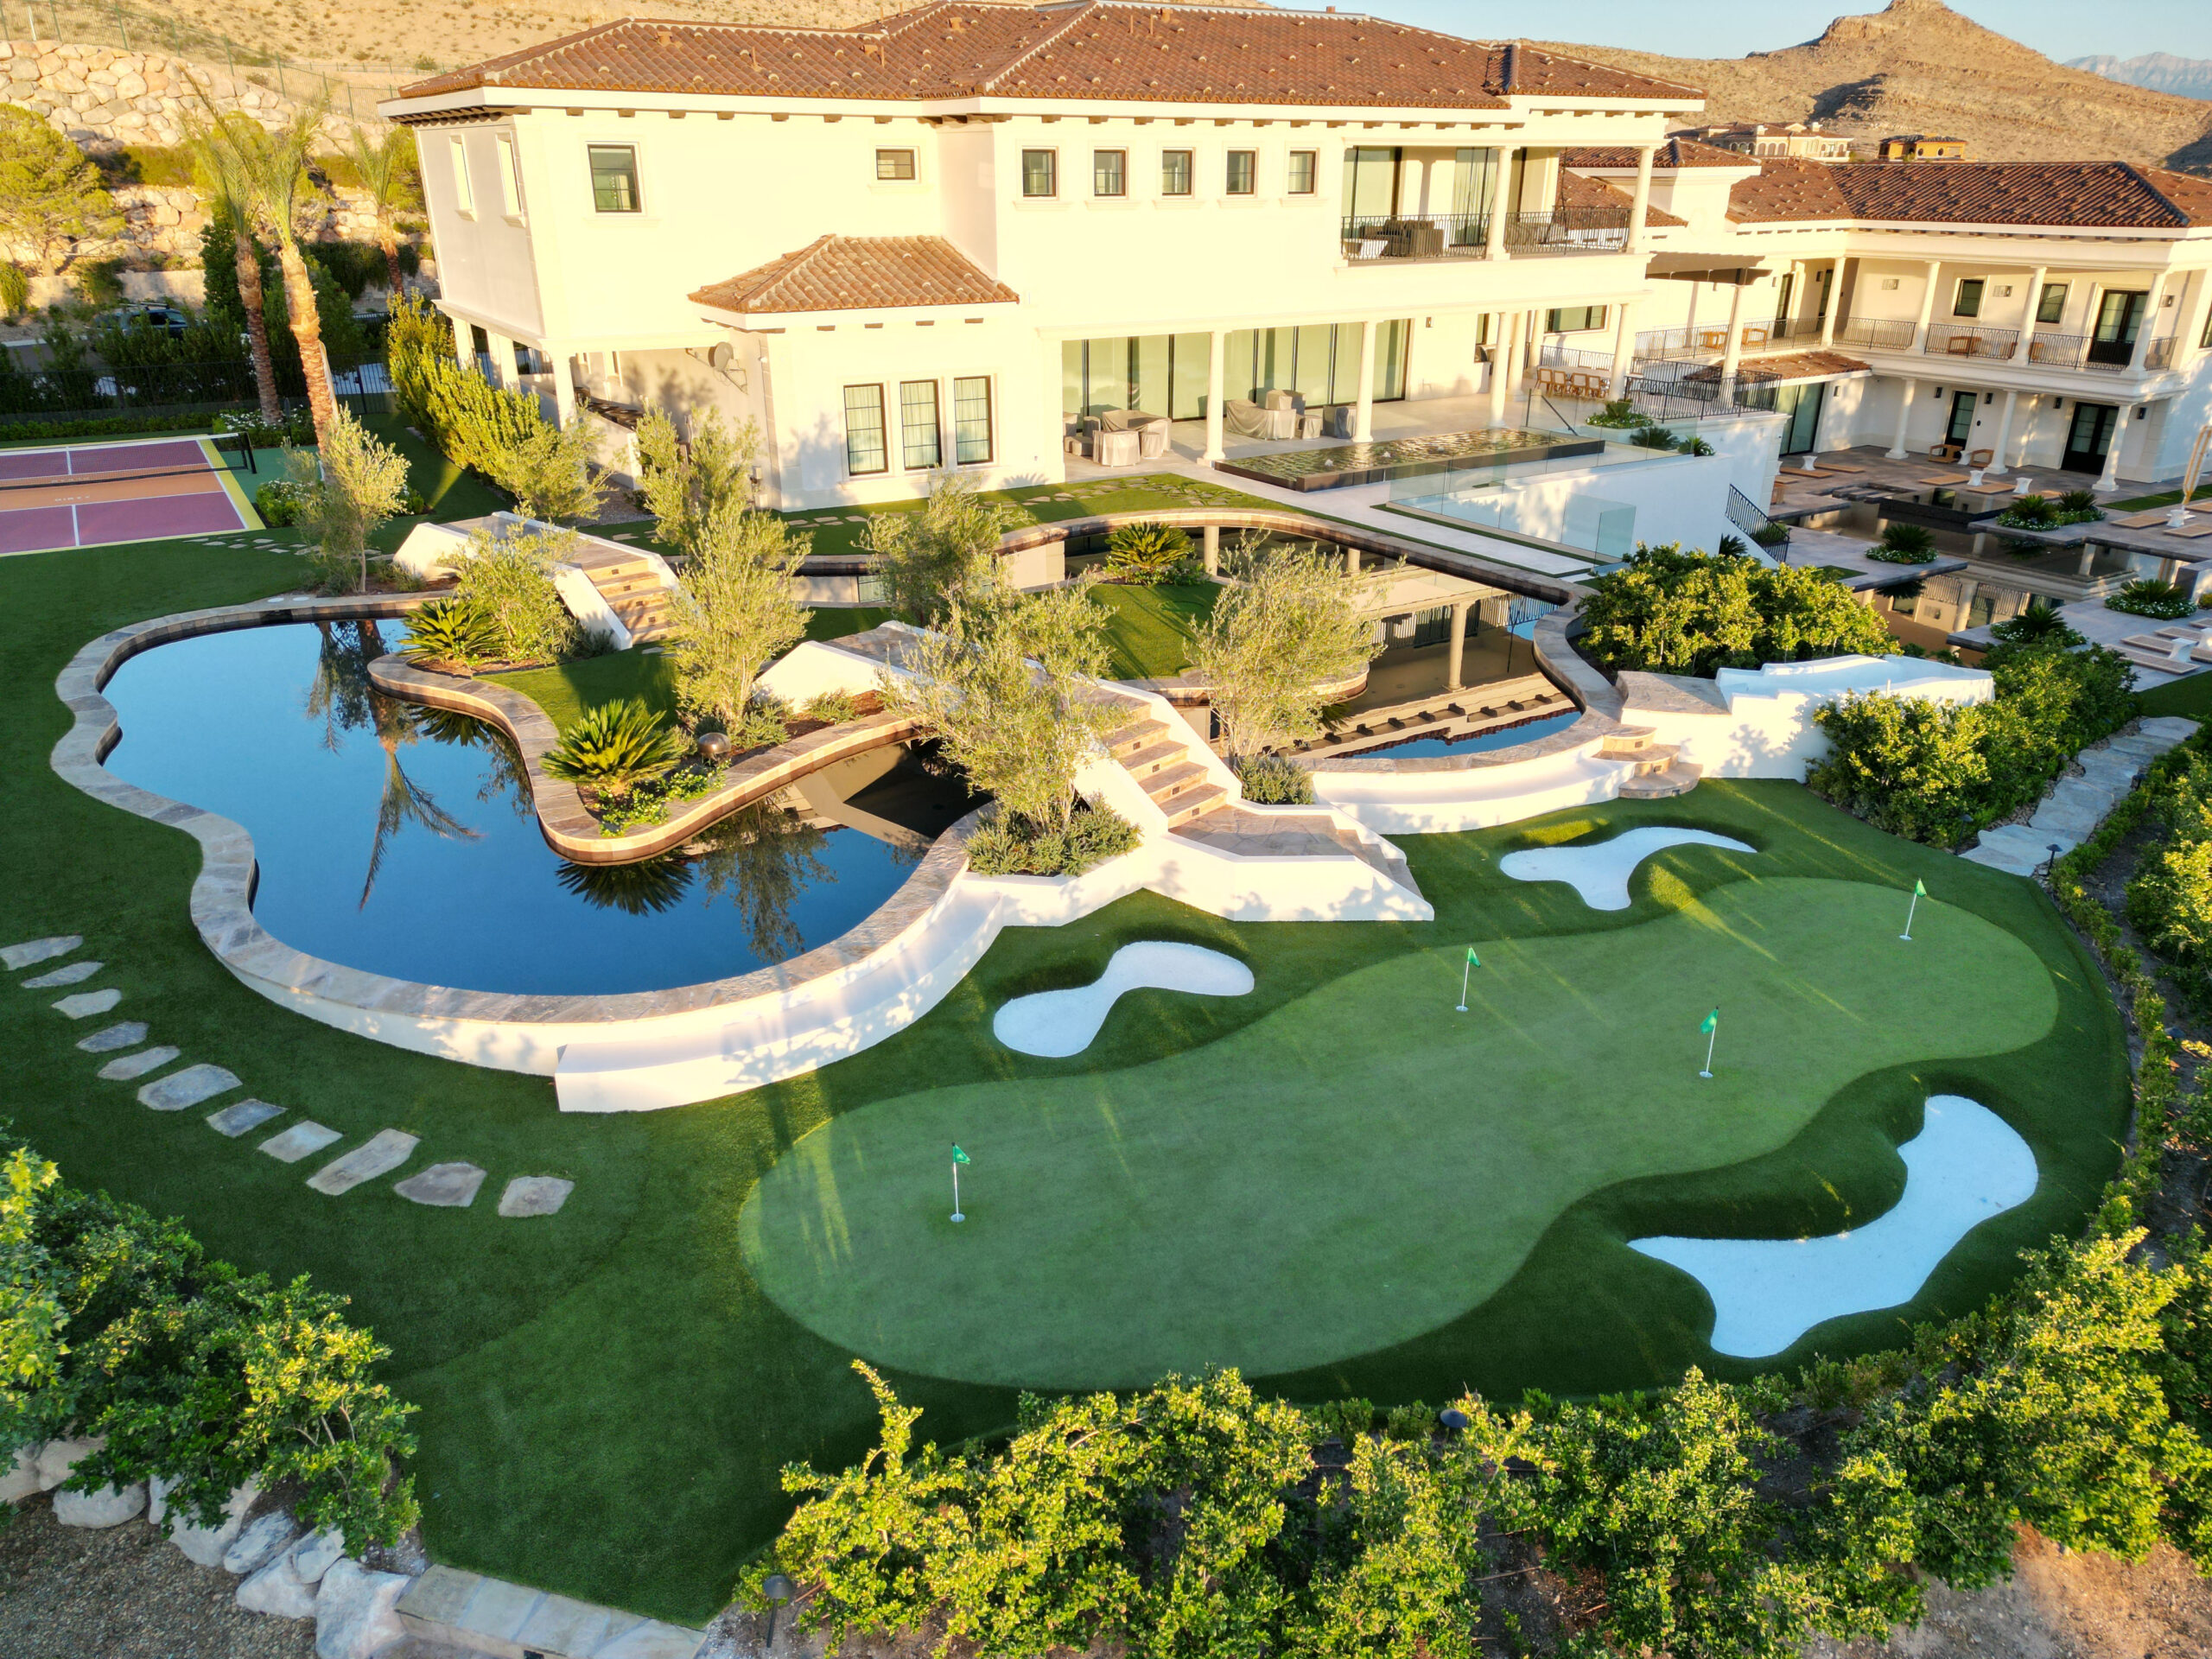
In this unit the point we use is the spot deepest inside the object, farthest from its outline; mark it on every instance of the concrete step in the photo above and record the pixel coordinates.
(1131, 738)
(1154, 757)
(1629, 740)
(1170, 781)
(1678, 778)
(1192, 802)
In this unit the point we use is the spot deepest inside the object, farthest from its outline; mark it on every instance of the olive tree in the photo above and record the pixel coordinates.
(548, 470)
(944, 556)
(51, 197)
(1285, 626)
(736, 609)
(684, 486)
(353, 484)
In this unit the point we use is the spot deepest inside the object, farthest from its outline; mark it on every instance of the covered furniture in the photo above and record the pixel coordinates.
(1151, 430)
(1122, 448)
(1249, 420)
(1410, 238)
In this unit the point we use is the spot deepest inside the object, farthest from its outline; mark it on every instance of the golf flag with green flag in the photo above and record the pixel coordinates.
(958, 1159)
(1710, 1026)
(1919, 893)
(1472, 962)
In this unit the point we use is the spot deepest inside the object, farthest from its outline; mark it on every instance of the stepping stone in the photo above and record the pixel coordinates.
(138, 1066)
(75, 974)
(535, 1195)
(382, 1153)
(187, 1087)
(299, 1140)
(236, 1118)
(451, 1187)
(31, 951)
(129, 1034)
(86, 1004)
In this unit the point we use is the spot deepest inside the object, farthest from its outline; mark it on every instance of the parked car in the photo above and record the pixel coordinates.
(164, 319)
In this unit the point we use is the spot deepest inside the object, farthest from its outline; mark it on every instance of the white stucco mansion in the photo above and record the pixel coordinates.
(947, 238)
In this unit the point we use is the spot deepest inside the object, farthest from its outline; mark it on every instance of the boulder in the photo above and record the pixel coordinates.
(316, 1554)
(157, 1501)
(277, 1591)
(354, 1611)
(204, 1546)
(22, 1478)
(57, 1457)
(108, 1507)
(260, 1541)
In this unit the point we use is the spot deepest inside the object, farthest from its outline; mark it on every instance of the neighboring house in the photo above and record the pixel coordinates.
(1803, 141)
(1916, 147)
(2054, 314)
(951, 238)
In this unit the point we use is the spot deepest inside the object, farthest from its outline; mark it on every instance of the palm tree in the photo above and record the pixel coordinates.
(217, 163)
(387, 168)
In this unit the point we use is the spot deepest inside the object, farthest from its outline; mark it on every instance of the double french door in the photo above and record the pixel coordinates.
(2090, 436)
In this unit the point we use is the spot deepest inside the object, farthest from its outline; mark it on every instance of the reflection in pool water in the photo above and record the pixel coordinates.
(1528, 731)
(401, 839)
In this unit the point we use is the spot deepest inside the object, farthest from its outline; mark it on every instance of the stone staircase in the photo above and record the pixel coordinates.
(1657, 773)
(1151, 752)
(632, 589)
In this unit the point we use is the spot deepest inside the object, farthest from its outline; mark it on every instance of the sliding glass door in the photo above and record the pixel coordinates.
(1165, 374)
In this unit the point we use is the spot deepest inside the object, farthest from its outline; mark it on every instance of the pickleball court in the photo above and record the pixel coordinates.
(84, 495)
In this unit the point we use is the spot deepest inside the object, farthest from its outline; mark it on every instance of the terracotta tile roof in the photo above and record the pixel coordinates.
(1675, 153)
(1576, 191)
(2108, 194)
(1092, 49)
(1774, 367)
(860, 273)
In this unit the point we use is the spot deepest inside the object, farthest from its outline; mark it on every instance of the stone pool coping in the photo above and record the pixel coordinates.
(222, 893)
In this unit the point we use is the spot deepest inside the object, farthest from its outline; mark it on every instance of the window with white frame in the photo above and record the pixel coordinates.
(1573, 319)
(1109, 172)
(615, 178)
(866, 450)
(1305, 168)
(1040, 171)
(971, 419)
(464, 195)
(1967, 304)
(894, 164)
(511, 175)
(2050, 305)
(919, 443)
(1244, 174)
(1175, 171)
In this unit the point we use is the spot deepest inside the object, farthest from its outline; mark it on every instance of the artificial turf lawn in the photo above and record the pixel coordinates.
(1196, 1219)
(607, 1395)
(2190, 697)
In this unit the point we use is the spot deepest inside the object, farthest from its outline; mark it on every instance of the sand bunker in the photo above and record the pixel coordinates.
(1600, 870)
(1055, 1024)
(1966, 1165)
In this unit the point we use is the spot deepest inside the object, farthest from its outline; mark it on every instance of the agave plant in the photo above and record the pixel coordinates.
(1146, 554)
(451, 632)
(616, 746)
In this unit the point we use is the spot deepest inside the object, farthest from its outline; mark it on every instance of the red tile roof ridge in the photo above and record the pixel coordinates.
(859, 273)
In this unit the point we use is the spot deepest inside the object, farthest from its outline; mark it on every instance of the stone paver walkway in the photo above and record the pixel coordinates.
(133, 1066)
(75, 974)
(384, 1151)
(303, 1138)
(535, 1195)
(35, 950)
(187, 1088)
(446, 1186)
(86, 1004)
(236, 1118)
(128, 1033)
(2069, 814)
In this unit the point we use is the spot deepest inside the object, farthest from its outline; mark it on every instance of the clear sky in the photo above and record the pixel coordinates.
(1729, 28)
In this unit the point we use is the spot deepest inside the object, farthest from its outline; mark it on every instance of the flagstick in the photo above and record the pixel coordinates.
(1907, 935)
(1711, 1037)
(956, 1216)
(1465, 969)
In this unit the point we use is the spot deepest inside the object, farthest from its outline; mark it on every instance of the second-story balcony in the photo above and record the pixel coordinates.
(1386, 237)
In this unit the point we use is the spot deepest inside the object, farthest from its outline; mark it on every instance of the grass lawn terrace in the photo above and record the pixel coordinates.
(1337, 1181)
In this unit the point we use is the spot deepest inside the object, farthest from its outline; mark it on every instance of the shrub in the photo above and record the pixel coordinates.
(614, 746)
(2147, 597)
(472, 421)
(1732, 547)
(547, 469)
(448, 634)
(1903, 544)
(2031, 512)
(1773, 533)
(2170, 902)
(296, 429)
(345, 490)
(1284, 627)
(1620, 412)
(1676, 612)
(831, 708)
(15, 290)
(1276, 780)
(1147, 554)
(2081, 501)
(764, 722)
(2040, 624)
(1691, 444)
(278, 503)
(943, 556)
(1004, 844)
(735, 607)
(1653, 437)
(509, 582)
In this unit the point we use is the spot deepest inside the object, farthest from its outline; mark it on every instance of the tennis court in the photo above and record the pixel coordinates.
(136, 490)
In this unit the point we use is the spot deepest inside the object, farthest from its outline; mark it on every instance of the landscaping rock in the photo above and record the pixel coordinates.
(86, 1004)
(384, 1151)
(31, 951)
(187, 1088)
(157, 1500)
(105, 1507)
(277, 1591)
(205, 1545)
(299, 1140)
(75, 974)
(535, 1195)
(132, 1066)
(21, 1479)
(236, 1118)
(127, 1034)
(353, 1615)
(316, 1554)
(443, 1185)
(261, 1541)
(57, 1457)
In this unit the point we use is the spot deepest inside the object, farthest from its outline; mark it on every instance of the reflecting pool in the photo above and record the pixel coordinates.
(1502, 738)
(401, 839)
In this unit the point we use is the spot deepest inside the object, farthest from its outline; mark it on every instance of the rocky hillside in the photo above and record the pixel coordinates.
(1919, 67)
(2161, 72)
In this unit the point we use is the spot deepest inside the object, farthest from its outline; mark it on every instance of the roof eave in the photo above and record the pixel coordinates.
(784, 321)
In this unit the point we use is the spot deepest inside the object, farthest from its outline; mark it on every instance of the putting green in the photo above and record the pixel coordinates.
(1179, 1213)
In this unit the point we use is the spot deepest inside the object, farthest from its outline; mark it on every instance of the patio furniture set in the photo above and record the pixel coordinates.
(1125, 437)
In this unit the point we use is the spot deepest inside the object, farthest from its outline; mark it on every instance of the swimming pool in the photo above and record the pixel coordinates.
(1504, 738)
(401, 840)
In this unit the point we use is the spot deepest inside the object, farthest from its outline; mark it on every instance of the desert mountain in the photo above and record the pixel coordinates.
(2161, 72)
(1919, 67)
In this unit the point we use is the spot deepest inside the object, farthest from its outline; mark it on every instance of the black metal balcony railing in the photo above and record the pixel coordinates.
(2079, 352)
(1567, 230)
(1416, 236)
(1876, 334)
(1950, 339)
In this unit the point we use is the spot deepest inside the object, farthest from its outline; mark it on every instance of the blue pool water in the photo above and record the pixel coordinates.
(1527, 732)
(401, 840)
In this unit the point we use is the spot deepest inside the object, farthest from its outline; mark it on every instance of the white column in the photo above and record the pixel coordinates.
(2109, 480)
(2150, 324)
(1834, 297)
(1362, 419)
(1217, 372)
(1641, 199)
(2193, 316)
(1927, 305)
(1494, 238)
(1732, 356)
(503, 368)
(1458, 645)
(2004, 436)
(464, 343)
(1212, 544)
(1501, 347)
(1895, 451)
(564, 384)
(2019, 456)
(1689, 322)
(1623, 351)
(2025, 348)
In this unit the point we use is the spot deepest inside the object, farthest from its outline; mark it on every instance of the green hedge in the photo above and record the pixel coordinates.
(1671, 612)
(107, 426)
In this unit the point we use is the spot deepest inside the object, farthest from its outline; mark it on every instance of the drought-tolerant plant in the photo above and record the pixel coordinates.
(1652, 437)
(508, 581)
(278, 503)
(1619, 412)
(689, 487)
(448, 634)
(764, 722)
(1732, 547)
(2040, 624)
(736, 608)
(548, 469)
(614, 746)
(344, 492)
(831, 708)
(1147, 554)
(1772, 533)
(15, 290)
(1274, 780)
(1002, 845)
(100, 283)
(944, 556)
(1676, 612)
(1287, 625)
(1903, 544)
(472, 421)
(389, 171)
(2047, 512)
(2146, 596)
(1690, 444)
(2080, 503)
(51, 197)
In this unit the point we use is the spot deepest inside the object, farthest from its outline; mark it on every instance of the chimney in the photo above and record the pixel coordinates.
(1512, 67)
